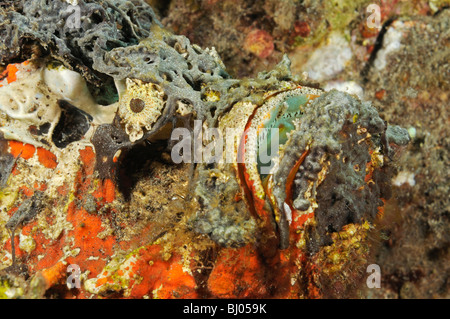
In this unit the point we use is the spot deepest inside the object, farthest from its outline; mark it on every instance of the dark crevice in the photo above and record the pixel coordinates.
(441, 10)
(72, 125)
(135, 165)
(163, 8)
(60, 292)
(377, 46)
(202, 273)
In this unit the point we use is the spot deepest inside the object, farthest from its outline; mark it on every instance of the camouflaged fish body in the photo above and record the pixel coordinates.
(121, 86)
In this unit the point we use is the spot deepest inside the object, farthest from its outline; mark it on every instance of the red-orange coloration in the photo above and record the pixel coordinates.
(25, 151)
(380, 94)
(54, 274)
(302, 28)
(260, 43)
(238, 273)
(10, 73)
(47, 158)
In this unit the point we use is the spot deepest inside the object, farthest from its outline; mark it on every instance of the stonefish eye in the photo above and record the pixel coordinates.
(140, 107)
(137, 105)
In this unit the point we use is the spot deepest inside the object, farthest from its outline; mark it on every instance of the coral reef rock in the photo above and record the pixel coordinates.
(273, 189)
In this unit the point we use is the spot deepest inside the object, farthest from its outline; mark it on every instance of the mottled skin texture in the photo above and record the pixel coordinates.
(414, 237)
(145, 246)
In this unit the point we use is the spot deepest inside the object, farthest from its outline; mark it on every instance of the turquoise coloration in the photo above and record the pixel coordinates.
(282, 118)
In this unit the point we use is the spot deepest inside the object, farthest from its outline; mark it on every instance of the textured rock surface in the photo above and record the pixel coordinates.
(128, 225)
(411, 90)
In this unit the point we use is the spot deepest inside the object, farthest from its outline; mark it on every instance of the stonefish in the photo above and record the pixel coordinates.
(277, 191)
